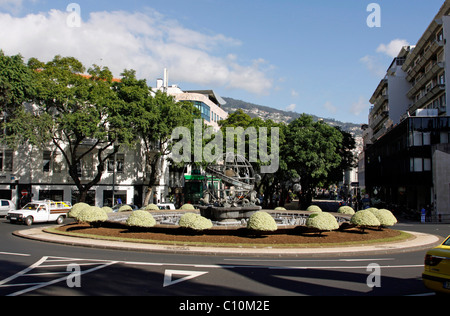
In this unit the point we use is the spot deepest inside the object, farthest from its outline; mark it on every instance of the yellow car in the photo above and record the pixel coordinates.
(436, 276)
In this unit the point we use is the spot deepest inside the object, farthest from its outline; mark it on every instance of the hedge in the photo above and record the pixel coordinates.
(365, 218)
(385, 217)
(188, 207)
(347, 210)
(195, 222)
(92, 214)
(314, 208)
(322, 221)
(141, 218)
(262, 221)
(77, 208)
(151, 207)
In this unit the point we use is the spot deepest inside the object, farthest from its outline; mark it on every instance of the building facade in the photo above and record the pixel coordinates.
(407, 138)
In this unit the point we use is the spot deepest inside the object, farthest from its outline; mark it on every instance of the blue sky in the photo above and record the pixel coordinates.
(316, 57)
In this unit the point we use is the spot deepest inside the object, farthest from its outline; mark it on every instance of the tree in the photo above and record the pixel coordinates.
(16, 84)
(154, 117)
(311, 150)
(79, 114)
(268, 182)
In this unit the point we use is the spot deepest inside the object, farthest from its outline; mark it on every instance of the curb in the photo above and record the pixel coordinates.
(420, 242)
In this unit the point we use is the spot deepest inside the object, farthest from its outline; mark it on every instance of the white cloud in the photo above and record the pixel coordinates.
(291, 107)
(393, 48)
(358, 107)
(330, 107)
(145, 41)
(375, 66)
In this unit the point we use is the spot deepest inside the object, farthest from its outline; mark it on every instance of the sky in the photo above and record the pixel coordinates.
(317, 57)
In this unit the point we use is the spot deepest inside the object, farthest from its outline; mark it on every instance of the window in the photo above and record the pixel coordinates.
(47, 158)
(120, 163)
(420, 164)
(441, 79)
(6, 160)
(204, 109)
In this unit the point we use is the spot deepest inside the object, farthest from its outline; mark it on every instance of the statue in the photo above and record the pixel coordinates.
(235, 197)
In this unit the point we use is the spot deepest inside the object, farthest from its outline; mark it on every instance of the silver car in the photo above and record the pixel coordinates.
(5, 207)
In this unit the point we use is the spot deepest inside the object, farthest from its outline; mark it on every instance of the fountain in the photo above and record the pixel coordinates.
(235, 198)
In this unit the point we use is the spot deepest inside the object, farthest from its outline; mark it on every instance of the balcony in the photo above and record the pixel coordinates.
(423, 60)
(435, 91)
(425, 79)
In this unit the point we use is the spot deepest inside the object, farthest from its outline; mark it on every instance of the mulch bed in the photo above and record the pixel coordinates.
(239, 236)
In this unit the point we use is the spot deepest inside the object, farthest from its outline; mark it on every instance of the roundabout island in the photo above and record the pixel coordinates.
(235, 240)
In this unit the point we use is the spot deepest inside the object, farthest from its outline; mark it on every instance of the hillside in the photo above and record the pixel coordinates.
(265, 112)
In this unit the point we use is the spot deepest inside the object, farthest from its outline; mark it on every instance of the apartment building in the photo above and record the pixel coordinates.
(427, 70)
(390, 99)
(408, 135)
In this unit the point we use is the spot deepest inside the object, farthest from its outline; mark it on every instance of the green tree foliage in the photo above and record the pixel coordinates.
(153, 119)
(79, 114)
(311, 150)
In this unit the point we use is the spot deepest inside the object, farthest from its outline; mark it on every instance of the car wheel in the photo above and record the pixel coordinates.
(60, 220)
(29, 221)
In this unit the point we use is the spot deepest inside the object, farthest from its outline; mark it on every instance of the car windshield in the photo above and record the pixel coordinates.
(447, 242)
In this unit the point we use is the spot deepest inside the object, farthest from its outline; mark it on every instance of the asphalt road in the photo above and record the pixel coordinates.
(42, 269)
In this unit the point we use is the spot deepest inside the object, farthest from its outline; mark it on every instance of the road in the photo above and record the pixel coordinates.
(37, 269)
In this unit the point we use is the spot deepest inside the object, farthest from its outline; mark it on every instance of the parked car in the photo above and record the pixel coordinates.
(166, 206)
(436, 276)
(5, 207)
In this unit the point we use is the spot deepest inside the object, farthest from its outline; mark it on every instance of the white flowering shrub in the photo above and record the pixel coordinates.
(125, 208)
(107, 209)
(77, 208)
(322, 221)
(347, 210)
(365, 218)
(314, 208)
(187, 207)
(141, 218)
(195, 222)
(92, 214)
(151, 207)
(262, 221)
(385, 217)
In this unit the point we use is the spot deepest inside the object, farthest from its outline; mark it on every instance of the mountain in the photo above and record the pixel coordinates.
(265, 112)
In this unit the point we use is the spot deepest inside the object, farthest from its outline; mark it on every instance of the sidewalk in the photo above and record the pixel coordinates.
(418, 243)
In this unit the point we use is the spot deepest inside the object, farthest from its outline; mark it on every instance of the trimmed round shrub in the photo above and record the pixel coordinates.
(280, 209)
(77, 208)
(365, 218)
(125, 208)
(314, 208)
(92, 214)
(141, 219)
(195, 222)
(151, 207)
(107, 209)
(385, 217)
(347, 210)
(322, 221)
(262, 221)
(187, 207)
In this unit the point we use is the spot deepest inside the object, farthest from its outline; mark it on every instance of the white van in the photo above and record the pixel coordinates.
(5, 207)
